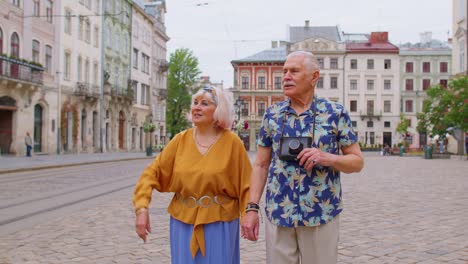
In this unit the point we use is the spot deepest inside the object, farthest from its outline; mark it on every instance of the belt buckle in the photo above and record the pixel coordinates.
(206, 204)
(221, 199)
(190, 201)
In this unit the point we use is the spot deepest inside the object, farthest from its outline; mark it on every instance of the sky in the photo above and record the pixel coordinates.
(219, 31)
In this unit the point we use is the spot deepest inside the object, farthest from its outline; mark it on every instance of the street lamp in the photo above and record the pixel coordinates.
(239, 104)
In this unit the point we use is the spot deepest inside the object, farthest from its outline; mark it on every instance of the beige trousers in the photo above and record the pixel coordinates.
(302, 245)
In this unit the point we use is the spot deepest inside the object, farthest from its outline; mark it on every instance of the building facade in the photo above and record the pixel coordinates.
(27, 76)
(422, 65)
(66, 75)
(372, 89)
(460, 37)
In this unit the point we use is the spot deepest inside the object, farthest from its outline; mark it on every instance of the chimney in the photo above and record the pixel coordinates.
(307, 23)
(274, 44)
(378, 37)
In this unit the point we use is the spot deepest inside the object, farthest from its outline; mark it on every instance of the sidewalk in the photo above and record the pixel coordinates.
(17, 164)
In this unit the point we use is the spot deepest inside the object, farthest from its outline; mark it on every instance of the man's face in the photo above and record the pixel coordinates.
(298, 80)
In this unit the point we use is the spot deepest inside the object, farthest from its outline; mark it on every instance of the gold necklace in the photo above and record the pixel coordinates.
(201, 145)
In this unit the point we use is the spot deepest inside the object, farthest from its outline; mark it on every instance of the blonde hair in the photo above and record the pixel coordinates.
(224, 113)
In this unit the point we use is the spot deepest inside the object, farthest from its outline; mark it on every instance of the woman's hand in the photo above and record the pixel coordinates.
(142, 223)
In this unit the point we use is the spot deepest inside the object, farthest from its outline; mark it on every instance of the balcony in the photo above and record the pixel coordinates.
(162, 93)
(20, 70)
(163, 65)
(87, 90)
(370, 115)
(122, 93)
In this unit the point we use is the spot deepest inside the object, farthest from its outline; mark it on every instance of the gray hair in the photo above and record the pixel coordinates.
(310, 62)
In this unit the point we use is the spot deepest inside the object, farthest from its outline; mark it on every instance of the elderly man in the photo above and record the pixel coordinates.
(298, 158)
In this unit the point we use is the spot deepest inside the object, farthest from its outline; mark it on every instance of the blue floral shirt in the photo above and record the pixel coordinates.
(295, 197)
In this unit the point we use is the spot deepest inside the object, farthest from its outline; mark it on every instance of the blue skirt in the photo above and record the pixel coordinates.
(221, 243)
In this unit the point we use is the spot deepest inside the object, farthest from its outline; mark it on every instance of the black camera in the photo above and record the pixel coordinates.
(290, 147)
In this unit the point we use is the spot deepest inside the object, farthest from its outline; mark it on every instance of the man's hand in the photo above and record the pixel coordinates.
(142, 224)
(310, 157)
(250, 226)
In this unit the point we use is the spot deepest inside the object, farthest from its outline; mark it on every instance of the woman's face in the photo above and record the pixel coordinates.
(203, 108)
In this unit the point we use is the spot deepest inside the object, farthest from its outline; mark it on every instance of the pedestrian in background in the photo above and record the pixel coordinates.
(28, 142)
(303, 193)
(208, 169)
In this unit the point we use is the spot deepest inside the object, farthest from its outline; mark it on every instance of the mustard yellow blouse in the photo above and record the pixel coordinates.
(180, 168)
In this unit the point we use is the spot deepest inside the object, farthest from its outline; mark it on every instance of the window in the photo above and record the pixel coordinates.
(261, 108)
(48, 58)
(409, 85)
(79, 69)
(353, 124)
(16, 2)
(95, 73)
(36, 8)
(443, 67)
(409, 67)
(320, 63)
(387, 106)
(370, 85)
(409, 122)
(387, 64)
(354, 64)
(67, 66)
(14, 45)
(353, 84)
(86, 71)
(277, 82)
(146, 90)
(88, 31)
(96, 37)
(35, 51)
(135, 29)
(387, 124)
(387, 84)
(370, 124)
(261, 82)
(370, 64)
(245, 82)
(80, 28)
(334, 63)
(443, 83)
(145, 63)
(353, 106)
(49, 10)
(370, 107)
(426, 66)
(245, 109)
(135, 90)
(67, 27)
(409, 106)
(319, 84)
(372, 137)
(334, 82)
(135, 58)
(426, 83)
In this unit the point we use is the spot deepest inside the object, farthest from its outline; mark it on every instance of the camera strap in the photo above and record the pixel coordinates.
(313, 124)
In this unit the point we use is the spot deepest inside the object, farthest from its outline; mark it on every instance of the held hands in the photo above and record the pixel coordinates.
(142, 223)
(250, 226)
(309, 157)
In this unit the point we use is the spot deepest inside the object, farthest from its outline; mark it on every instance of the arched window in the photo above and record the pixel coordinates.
(15, 45)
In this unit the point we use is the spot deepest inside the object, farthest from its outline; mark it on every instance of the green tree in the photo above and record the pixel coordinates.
(445, 107)
(402, 127)
(183, 73)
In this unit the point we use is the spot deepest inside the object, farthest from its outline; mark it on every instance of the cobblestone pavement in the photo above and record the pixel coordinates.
(397, 210)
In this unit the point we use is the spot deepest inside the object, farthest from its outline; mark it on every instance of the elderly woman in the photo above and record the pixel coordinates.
(208, 169)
